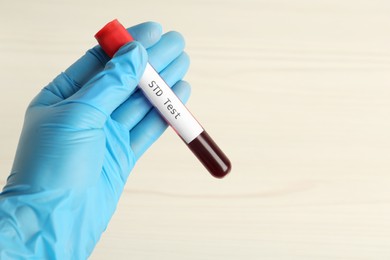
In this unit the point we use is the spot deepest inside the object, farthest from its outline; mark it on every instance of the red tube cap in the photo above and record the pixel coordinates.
(113, 36)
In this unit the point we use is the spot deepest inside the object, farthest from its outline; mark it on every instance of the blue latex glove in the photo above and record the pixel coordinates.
(81, 137)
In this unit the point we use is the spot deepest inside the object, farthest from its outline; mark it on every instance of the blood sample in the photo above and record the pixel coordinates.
(113, 36)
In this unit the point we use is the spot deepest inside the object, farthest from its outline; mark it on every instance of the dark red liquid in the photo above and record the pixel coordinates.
(210, 155)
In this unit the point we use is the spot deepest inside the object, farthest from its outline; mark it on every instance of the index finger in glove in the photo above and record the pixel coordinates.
(91, 63)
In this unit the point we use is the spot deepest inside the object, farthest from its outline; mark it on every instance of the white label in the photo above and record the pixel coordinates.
(169, 105)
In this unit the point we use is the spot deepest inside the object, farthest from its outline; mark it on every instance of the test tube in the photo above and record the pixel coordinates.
(114, 35)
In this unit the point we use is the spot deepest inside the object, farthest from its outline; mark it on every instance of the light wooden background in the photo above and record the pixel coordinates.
(297, 93)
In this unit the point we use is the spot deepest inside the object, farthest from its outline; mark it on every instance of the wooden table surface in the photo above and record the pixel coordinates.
(297, 93)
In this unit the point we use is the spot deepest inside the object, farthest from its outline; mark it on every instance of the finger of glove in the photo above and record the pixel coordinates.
(147, 34)
(93, 62)
(137, 106)
(152, 126)
(110, 88)
(171, 44)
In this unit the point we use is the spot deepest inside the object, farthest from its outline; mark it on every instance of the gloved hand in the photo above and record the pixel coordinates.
(81, 137)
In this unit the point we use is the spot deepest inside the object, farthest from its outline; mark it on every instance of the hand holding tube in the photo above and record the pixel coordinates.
(81, 137)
